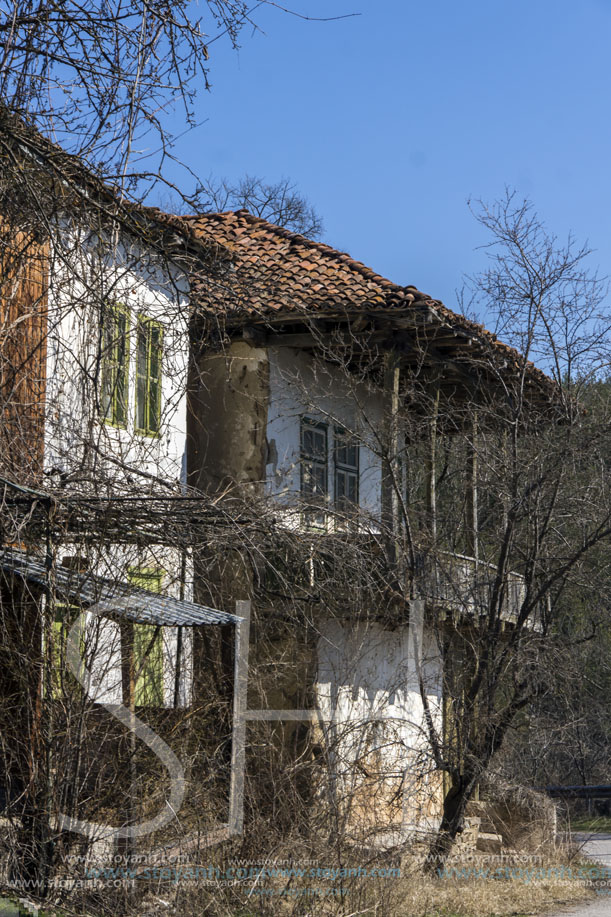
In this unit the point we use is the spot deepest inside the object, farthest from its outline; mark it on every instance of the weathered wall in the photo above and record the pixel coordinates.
(102, 642)
(86, 271)
(373, 722)
(301, 386)
(245, 421)
(228, 416)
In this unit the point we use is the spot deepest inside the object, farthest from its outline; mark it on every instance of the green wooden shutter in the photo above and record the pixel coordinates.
(115, 364)
(148, 376)
(148, 639)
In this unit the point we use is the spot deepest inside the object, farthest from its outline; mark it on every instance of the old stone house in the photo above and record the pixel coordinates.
(150, 361)
(94, 351)
(325, 390)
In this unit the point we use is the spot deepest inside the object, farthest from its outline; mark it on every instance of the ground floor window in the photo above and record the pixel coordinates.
(148, 645)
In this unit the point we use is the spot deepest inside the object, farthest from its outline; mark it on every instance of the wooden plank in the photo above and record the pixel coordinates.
(23, 332)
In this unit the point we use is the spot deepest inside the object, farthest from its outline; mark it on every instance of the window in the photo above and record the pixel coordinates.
(346, 472)
(148, 376)
(62, 679)
(148, 645)
(314, 473)
(115, 364)
(114, 396)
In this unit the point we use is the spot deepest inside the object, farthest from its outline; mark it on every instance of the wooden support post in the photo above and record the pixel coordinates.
(391, 469)
(472, 540)
(178, 668)
(431, 468)
(128, 690)
(504, 450)
(240, 705)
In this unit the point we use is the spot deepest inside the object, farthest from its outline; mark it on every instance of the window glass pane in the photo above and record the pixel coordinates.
(320, 479)
(141, 402)
(142, 354)
(307, 441)
(314, 475)
(306, 479)
(120, 414)
(319, 444)
(155, 351)
(155, 379)
(313, 441)
(154, 406)
(346, 452)
(346, 471)
(106, 392)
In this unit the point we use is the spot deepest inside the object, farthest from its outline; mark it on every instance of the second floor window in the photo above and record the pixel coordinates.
(318, 487)
(346, 472)
(116, 361)
(148, 376)
(314, 471)
(115, 364)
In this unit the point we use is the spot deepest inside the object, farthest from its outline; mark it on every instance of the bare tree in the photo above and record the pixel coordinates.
(494, 500)
(540, 484)
(495, 497)
(278, 202)
(99, 77)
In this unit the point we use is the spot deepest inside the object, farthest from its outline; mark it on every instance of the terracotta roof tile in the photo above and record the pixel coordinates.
(278, 272)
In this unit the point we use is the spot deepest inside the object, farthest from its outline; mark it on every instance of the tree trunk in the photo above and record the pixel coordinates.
(452, 822)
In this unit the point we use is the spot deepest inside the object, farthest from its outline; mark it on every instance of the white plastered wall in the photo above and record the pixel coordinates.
(301, 386)
(84, 273)
(91, 456)
(370, 702)
(367, 692)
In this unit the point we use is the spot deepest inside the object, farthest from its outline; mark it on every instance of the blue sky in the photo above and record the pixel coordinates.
(390, 121)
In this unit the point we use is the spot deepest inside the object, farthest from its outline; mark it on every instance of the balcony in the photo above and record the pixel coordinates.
(462, 585)
(455, 583)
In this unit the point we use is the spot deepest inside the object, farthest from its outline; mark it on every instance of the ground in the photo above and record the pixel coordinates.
(596, 847)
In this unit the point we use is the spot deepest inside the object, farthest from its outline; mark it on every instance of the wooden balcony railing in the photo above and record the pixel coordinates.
(464, 584)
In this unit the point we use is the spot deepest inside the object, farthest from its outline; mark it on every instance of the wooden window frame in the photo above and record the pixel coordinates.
(149, 687)
(115, 365)
(151, 426)
(309, 461)
(343, 467)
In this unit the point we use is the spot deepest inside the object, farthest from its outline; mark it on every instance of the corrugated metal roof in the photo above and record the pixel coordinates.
(137, 605)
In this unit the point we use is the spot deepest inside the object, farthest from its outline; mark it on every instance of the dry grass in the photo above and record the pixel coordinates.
(410, 895)
(419, 897)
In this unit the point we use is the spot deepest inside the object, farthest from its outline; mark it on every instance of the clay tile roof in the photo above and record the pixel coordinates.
(281, 271)
(276, 272)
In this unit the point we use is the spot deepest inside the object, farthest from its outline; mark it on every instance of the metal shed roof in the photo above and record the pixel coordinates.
(111, 596)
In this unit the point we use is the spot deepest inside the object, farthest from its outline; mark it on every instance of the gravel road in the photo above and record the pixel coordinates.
(596, 847)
